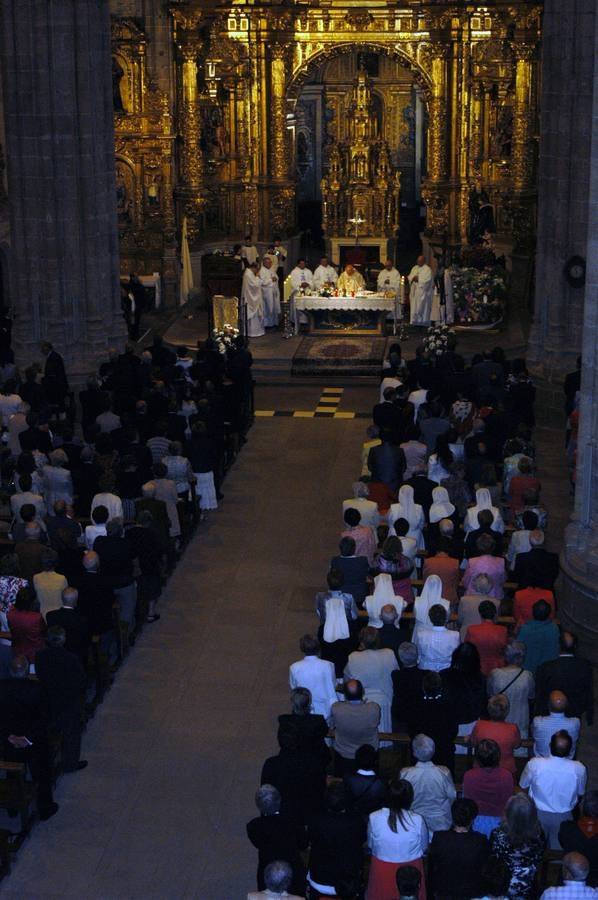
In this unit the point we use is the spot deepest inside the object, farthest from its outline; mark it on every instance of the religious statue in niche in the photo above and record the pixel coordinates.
(304, 157)
(214, 137)
(124, 199)
(117, 76)
(503, 136)
(481, 216)
(152, 193)
(408, 130)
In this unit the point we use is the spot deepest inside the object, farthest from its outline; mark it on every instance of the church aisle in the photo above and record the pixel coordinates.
(176, 748)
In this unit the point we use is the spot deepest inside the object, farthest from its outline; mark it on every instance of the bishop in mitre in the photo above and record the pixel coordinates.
(420, 294)
(253, 299)
(324, 274)
(270, 292)
(350, 281)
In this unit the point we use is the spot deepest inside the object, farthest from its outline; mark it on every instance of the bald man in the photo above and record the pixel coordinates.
(555, 784)
(575, 872)
(543, 727)
(420, 294)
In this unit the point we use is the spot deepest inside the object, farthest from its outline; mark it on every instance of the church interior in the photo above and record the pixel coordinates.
(276, 274)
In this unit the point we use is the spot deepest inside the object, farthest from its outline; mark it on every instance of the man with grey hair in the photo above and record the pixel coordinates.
(63, 679)
(276, 837)
(433, 786)
(309, 730)
(75, 625)
(576, 869)
(468, 611)
(278, 876)
(360, 501)
(407, 686)
(538, 567)
(31, 551)
(391, 635)
(58, 483)
(517, 684)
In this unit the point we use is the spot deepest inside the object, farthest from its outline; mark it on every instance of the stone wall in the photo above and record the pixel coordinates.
(57, 90)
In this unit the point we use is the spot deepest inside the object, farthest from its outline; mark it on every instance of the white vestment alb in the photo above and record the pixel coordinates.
(298, 278)
(252, 298)
(323, 275)
(271, 296)
(249, 253)
(420, 295)
(389, 280)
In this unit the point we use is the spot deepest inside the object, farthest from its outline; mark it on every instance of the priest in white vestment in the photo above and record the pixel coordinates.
(420, 294)
(350, 281)
(301, 277)
(324, 274)
(389, 279)
(270, 293)
(252, 298)
(249, 251)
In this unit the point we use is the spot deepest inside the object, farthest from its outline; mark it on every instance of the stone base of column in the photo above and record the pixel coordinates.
(578, 594)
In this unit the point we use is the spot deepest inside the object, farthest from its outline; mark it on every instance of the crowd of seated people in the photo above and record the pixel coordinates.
(100, 498)
(430, 751)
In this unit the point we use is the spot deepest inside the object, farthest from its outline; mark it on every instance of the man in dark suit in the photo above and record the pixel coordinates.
(116, 566)
(422, 488)
(485, 520)
(275, 836)
(24, 730)
(30, 551)
(62, 678)
(406, 687)
(365, 791)
(96, 602)
(581, 836)
(389, 636)
(299, 777)
(355, 570)
(570, 674)
(308, 729)
(336, 835)
(385, 414)
(75, 626)
(387, 462)
(54, 381)
(538, 567)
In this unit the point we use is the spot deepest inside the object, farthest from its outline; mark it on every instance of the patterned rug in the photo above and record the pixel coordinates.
(340, 355)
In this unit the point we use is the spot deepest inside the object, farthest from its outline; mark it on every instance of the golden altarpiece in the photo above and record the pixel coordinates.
(222, 145)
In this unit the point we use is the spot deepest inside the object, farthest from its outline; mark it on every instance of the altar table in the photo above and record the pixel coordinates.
(362, 314)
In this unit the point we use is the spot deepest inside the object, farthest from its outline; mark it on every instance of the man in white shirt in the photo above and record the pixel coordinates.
(543, 727)
(324, 274)
(576, 869)
(420, 293)
(555, 784)
(433, 785)
(315, 674)
(24, 496)
(435, 644)
(112, 502)
(270, 293)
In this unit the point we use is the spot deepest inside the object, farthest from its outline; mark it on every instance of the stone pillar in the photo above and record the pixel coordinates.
(57, 89)
(563, 190)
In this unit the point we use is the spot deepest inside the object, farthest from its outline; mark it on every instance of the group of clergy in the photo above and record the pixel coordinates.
(260, 294)
(430, 295)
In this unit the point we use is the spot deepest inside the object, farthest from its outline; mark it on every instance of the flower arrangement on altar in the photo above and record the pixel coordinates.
(327, 292)
(225, 337)
(479, 295)
(437, 339)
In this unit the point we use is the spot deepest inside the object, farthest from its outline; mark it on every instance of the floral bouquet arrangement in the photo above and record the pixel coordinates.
(327, 291)
(479, 296)
(437, 339)
(225, 338)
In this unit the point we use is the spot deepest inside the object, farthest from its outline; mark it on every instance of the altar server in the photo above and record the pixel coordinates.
(252, 298)
(350, 281)
(248, 251)
(270, 293)
(324, 274)
(420, 295)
